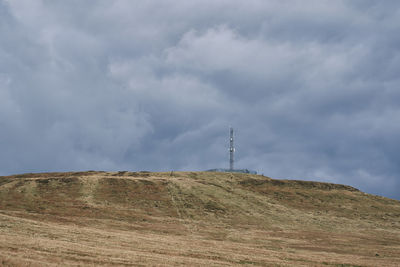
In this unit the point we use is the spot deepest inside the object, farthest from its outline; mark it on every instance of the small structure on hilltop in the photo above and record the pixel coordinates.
(232, 158)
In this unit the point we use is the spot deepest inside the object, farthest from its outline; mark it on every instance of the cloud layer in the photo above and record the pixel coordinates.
(312, 88)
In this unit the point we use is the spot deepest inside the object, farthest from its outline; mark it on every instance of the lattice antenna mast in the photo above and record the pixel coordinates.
(231, 150)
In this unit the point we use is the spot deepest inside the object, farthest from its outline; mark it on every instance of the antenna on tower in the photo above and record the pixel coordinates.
(231, 150)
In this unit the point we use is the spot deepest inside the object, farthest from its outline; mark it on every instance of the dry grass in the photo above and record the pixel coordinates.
(192, 218)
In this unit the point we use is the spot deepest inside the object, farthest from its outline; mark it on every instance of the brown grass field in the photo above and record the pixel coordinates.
(192, 219)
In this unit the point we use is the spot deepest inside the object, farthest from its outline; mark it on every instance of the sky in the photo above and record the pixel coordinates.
(311, 87)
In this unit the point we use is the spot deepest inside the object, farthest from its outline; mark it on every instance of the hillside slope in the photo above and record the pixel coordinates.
(192, 218)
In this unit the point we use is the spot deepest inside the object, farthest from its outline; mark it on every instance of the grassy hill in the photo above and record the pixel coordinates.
(192, 218)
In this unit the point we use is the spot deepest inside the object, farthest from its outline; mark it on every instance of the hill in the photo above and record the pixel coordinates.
(192, 218)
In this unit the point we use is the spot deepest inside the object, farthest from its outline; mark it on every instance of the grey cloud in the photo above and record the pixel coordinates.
(312, 88)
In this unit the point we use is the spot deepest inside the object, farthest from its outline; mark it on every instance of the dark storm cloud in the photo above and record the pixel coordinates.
(310, 86)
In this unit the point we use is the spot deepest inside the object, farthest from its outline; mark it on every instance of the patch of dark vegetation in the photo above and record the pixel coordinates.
(65, 180)
(250, 182)
(137, 174)
(69, 180)
(87, 173)
(213, 206)
(120, 173)
(43, 181)
(322, 186)
(298, 184)
(247, 262)
(132, 174)
(4, 180)
(147, 182)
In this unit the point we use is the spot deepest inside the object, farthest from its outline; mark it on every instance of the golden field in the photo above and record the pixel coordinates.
(192, 219)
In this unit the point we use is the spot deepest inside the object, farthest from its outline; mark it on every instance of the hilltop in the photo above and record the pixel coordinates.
(192, 218)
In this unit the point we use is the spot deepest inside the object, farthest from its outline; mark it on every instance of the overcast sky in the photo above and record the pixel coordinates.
(312, 87)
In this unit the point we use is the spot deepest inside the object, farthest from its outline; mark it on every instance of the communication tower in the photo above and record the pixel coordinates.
(232, 158)
(231, 150)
